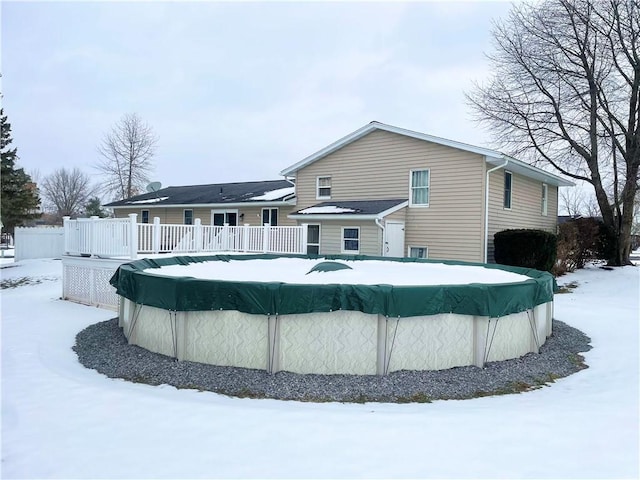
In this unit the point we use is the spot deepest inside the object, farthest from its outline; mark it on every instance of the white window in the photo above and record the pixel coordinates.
(222, 217)
(419, 188)
(418, 252)
(270, 216)
(188, 217)
(351, 240)
(508, 184)
(323, 190)
(144, 216)
(313, 239)
(545, 198)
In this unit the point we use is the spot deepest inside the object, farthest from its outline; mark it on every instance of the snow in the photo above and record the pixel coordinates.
(150, 200)
(326, 209)
(371, 272)
(275, 194)
(60, 420)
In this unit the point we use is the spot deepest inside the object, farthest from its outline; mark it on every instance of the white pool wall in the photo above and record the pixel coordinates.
(339, 342)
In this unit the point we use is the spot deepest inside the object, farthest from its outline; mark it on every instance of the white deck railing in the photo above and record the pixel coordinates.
(118, 237)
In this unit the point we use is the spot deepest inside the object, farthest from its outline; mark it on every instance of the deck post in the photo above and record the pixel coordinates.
(93, 237)
(67, 234)
(197, 235)
(245, 237)
(225, 237)
(133, 236)
(155, 235)
(303, 238)
(265, 238)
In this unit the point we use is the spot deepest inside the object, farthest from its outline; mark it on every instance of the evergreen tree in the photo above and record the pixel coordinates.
(94, 208)
(19, 200)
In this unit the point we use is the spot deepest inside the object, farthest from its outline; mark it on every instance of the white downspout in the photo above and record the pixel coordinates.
(486, 208)
(377, 220)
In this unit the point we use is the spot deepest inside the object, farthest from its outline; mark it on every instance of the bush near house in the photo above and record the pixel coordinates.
(525, 248)
(581, 240)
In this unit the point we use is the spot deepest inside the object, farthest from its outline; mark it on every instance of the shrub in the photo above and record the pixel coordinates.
(525, 248)
(581, 240)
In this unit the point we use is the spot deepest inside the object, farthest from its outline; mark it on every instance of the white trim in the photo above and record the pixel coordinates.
(348, 216)
(419, 205)
(279, 203)
(262, 222)
(184, 211)
(504, 190)
(319, 225)
(323, 197)
(409, 247)
(494, 157)
(545, 200)
(225, 211)
(342, 239)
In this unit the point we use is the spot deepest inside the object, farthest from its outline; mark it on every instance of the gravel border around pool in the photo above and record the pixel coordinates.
(103, 347)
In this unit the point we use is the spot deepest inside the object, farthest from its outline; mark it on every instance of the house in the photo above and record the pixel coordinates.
(381, 190)
(252, 203)
(384, 190)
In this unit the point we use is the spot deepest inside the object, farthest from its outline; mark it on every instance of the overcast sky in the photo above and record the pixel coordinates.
(236, 91)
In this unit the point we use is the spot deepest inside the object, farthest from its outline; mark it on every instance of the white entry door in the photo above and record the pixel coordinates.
(393, 239)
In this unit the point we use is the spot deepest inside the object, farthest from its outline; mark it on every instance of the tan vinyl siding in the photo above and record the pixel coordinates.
(175, 215)
(399, 216)
(378, 165)
(526, 206)
(331, 237)
(253, 216)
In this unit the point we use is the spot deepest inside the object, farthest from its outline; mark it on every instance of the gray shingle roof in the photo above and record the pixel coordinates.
(352, 207)
(215, 193)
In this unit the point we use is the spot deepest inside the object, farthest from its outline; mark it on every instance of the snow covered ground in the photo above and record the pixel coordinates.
(60, 420)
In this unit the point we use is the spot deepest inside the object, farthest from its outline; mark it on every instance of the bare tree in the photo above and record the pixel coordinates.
(66, 192)
(571, 201)
(127, 153)
(565, 93)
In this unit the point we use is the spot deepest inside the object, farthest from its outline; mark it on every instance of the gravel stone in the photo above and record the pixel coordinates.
(103, 347)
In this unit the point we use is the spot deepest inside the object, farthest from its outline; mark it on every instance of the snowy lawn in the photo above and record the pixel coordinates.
(60, 420)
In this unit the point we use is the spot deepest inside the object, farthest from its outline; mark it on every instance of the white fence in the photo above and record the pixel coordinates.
(38, 242)
(124, 237)
(86, 280)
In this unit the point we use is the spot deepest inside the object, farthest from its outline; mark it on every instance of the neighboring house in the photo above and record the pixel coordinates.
(383, 190)
(252, 203)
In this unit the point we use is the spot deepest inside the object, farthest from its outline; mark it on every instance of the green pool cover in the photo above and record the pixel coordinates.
(275, 298)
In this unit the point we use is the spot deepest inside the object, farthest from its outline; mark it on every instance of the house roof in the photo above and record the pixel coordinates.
(262, 192)
(352, 209)
(493, 157)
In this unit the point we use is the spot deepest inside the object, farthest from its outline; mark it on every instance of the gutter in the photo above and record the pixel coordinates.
(486, 207)
(377, 222)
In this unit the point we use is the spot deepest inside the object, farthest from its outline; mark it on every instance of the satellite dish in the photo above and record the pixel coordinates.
(154, 187)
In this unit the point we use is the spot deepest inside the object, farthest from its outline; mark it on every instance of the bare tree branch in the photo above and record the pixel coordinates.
(127, 152)
(66, 192)
(566, 93)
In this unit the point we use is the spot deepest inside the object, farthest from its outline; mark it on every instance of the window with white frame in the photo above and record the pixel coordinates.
(270, 216)
(419, 188)
(313, 239)
(418, 252)
(144, 216)
(323, 190)
(188, 217)
(508, 185)
(350, 239)
(545, 198)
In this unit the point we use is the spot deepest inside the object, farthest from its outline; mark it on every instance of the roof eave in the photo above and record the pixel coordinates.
(529, 170)
(331, 216)
(270, 203)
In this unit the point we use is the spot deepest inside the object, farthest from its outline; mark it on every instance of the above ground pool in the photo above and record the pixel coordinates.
(333, 314)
